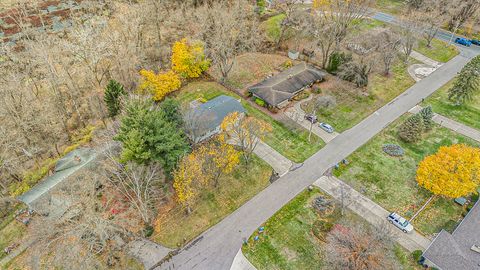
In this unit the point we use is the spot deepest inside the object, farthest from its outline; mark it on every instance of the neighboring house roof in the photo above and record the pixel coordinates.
(208, 116)
(66, 166)
(453, 251)
(286, 84)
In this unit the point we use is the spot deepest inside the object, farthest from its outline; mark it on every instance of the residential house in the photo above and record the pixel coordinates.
(203, 121)
(279, 89)
(460, 249)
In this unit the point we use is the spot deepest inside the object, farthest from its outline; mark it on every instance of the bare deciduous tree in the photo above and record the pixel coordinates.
(358, 247)
(409, 32)
(139, 184)
(388, 49)
(229, 28)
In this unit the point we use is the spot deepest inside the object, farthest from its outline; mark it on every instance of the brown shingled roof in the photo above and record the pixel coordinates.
(286, 84)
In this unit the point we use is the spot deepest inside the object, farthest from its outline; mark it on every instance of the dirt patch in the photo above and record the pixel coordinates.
(251, 68)
(289, 254)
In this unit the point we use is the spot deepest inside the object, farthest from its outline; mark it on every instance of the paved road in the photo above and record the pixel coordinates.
(452, 124)
(218, 246)
(442, 34)
(370, 211)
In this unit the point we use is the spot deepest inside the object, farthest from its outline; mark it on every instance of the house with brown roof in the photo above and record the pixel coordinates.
(279, 89)
(460, 249)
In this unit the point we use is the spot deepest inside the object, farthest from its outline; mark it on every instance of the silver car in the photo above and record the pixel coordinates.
(326, 127)
(400, 222)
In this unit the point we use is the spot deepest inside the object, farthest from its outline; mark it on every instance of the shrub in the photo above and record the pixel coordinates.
(393, 150)
(336, 60)
(417, 255)
(322, 205)
(260, 102)
(320, 227)
(411, 130)
(301, 96)
(474, 198)
(316, 89)
(287, 64)
(356, 73)
(148, 231)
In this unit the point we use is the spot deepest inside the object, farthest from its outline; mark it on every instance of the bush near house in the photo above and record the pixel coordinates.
(260, 102)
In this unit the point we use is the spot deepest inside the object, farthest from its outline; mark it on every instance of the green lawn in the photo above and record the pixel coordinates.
(390, 181)
(390, 6)
(174, 228)
(288, 139)
(468, 114)
(288, 242)
(355, 104)
(439, 50)
(272, 27)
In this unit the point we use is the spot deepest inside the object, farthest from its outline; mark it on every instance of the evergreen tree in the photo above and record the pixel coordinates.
(148, 135)
(171, 111)
(112, 97)
(427, 116)
(411, 130)
(467, 83)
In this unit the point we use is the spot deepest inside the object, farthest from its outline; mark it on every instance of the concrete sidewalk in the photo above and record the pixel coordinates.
(422, 58)
(370, 211)
(241, 263)
(452, 124)
(147, 252)
(279, 163)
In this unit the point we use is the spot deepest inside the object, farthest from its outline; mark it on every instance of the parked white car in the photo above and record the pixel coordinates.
(326, 127)
(400, 222)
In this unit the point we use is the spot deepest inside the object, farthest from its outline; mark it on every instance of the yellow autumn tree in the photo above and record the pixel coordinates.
(187, 178)
(454, 171)
(159, 85)
(221, 158)
(245, 131)
(188, 59)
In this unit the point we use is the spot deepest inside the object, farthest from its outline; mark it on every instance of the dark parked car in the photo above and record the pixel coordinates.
(475, 41)
(463, 41)
(311, 118)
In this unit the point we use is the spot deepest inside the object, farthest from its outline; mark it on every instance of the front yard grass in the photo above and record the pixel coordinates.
(439, 51)
(354, 104)
(10, 233)
(288, 242)
(468, 113)
(289, 140)
(174, 228)
(390, 181)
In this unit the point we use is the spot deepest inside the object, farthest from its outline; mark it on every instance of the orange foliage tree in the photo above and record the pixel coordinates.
(454, 171)
(161, 84)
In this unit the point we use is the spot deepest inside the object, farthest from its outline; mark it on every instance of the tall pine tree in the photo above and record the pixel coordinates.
(112, 97)
(411, 130)
(427, 116)
(148, 135)
(467, 83)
